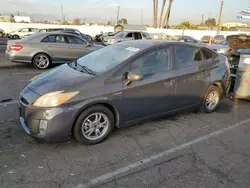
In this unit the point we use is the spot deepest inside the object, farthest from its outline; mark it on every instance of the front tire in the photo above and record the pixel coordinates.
(94, 125)
(41, 61)
(211, 99)
(1, 34)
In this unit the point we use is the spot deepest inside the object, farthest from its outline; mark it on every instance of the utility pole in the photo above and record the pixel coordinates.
(219, 20)
(118, 12)
(202, 19)
(62, 13)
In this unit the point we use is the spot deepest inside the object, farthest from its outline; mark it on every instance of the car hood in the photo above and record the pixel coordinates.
(239, 42)
(62, 78)
(97, 46)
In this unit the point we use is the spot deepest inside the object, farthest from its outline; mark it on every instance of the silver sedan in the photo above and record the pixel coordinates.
(43, 49)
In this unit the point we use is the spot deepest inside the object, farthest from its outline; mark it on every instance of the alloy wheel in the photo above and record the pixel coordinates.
(95, 126)
(42, 61)
(212, 100)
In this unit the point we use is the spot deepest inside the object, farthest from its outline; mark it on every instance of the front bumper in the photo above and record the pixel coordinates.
(59, 120)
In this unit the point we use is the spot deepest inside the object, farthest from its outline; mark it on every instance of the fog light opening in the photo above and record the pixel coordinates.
(43, 127)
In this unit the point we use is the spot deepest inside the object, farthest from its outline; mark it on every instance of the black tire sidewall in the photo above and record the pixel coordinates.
(204, 106)
(78, 124)
(1, 34)
(34, 64)
(16, 37)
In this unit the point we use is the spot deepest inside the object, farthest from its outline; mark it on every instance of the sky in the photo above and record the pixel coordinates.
(132, 10)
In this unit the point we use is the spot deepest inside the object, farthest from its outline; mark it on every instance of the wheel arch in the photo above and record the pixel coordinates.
(103, 103)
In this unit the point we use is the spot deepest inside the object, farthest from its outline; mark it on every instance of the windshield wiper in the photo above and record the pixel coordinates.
(89, 71)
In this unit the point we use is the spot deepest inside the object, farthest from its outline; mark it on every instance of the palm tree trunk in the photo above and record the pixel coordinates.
(167, 15)
(162, 11)
(156, 12)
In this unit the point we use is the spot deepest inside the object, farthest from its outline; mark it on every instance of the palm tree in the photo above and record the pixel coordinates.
(162, 11)
(167, 15)
(185, 25)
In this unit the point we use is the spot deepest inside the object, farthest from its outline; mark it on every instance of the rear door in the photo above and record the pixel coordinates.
(78, 47)
(57, 48)
(155, 94)
(191, 79)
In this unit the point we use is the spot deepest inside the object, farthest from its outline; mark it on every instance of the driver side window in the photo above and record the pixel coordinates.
(149, 64)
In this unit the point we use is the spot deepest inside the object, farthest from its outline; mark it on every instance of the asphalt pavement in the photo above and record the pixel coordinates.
(187, 150)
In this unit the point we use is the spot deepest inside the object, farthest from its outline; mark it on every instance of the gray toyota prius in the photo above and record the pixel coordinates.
(121, 85)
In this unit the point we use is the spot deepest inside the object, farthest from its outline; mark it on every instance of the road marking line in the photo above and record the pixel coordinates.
(8, 103)
(22, 73)
(147, 161)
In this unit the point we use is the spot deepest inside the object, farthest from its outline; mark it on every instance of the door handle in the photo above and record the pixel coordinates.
(48, 46)
(169, 83)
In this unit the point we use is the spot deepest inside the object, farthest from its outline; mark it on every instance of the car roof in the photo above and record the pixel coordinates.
(144, 44)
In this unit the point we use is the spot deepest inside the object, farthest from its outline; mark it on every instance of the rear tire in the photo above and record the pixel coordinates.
(16, 37)
(41, 61)
(94, 125)
(211, 99)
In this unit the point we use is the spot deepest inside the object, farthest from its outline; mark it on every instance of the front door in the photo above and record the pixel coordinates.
(78, 47)
(155, 93)
(190, 79)
(57, 48)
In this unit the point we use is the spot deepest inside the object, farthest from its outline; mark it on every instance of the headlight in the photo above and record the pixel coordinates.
(54, 98)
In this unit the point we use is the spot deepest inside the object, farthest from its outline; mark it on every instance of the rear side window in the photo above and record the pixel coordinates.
(145, 35)
(54, 39)
(207, 54)
(75, 40)
(187, 56)
(129, 35)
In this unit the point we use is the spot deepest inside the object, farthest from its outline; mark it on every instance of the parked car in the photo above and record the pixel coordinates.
(43, 49)
(121, 36)
(218, 38)
(206, 39)
(99, 37)
(2, 33)
(19, 34)
(67, 30)
(121, 85)
(188, 39)
(220, 47)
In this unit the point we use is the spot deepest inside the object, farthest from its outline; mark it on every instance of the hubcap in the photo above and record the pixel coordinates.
(212, 100)
(95, 126)
(42, 61)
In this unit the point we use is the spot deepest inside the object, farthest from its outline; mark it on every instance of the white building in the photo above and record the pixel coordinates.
(22, 19)
(234, 24)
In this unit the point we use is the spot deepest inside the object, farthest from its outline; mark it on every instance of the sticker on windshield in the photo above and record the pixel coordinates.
(132, 49)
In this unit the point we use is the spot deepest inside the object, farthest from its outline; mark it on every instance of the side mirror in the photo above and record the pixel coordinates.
(131, 77)
(87, 45)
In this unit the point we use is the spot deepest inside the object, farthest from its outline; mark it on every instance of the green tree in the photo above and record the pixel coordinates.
(109, 23)
(223, 28)
(123, 21)
(184, 26)
(211, 22)
(167, 15)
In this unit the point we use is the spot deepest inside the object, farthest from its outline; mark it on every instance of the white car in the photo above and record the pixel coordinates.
(18, 34)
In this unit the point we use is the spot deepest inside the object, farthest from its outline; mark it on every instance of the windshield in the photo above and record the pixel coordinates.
(120, 34)
(106, 58)
(223, 42)
(244, 51)
(114, 33)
